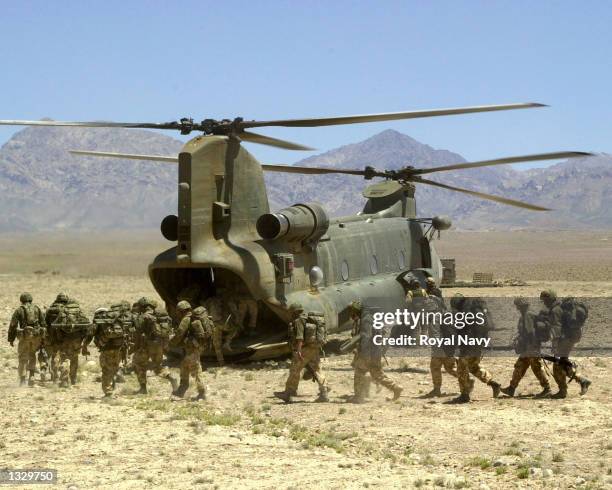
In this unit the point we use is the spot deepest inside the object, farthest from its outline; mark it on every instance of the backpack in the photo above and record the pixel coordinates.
(109, 329)
(314, 328)
(575, 315)
(71, 323)
(161, 328)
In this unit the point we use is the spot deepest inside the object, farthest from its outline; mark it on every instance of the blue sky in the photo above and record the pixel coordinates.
(158, 61)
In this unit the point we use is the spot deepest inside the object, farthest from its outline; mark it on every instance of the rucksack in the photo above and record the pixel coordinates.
(161, 328)
(315, 330)
(71, 322)
(31, 315)
(575, 315)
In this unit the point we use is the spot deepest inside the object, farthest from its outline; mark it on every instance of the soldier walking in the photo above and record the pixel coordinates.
(110, 337)
(28, 326)
(193, 333)
(471, 355)
(70, 329)
(151, 339)
(51, 342)
(528, 347)
(307, 336)
(368, 357)
(565, 328)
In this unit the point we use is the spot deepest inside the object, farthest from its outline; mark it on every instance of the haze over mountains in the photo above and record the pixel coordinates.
(43, 187)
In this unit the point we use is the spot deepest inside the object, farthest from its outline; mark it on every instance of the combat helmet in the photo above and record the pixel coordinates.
(521, 302)
(414, 284)
(183, 306)
(199, 312)
(25, 298)
(296, 307)
(457, 301)
(548, 294)
(61, 298)
(430, 281)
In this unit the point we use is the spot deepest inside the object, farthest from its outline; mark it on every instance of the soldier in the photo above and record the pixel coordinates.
(470, 355)
(527, 346)
(151, 338)
(368, 357)
(110, 337)
(27, 325)
(563, 341)
(51, 342)
(307, 335)
(431, 289)
(247, 308)
(192, 334)
(70, 329)
(223, 324)
(123, 311)
(416, 300)
(441, 357)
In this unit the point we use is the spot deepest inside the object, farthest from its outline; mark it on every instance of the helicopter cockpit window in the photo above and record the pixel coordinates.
(373, 264)
(344, 270)
(401, 259)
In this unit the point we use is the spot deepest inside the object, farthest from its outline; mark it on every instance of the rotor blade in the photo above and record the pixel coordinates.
(310, 170)
(389, 116)
(126, 156)
(267, 140)
(502, 200)
(90, 124)
(503, 161)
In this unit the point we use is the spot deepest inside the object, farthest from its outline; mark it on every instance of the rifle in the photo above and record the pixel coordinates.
(564, 362)
(348, 345)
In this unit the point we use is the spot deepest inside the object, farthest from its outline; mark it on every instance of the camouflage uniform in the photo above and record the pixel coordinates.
(440, 357)
(122, 311)
(110, 338)
(416, 300)
(562, 345)
(528, 347)
(221, 316)
(306, 338)
(431, 289)
(149, 348)
(70, 329)
(193, 332)
(368, 357)
(27, 325)
(51, 343)
(470, 356)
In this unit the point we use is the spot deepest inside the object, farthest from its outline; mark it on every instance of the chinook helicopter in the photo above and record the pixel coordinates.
(227, 239)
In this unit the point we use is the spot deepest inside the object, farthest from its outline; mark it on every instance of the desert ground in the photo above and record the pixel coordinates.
(241, 436)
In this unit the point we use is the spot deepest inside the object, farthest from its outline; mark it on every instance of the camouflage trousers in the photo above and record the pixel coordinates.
(373, 366)
(191, 366)
(52, 350)
(247, 307)
(149, 356)
(109, 362)
(69, 360)
(467, 366)
(562, 348)
(311, 355)
(221, 330)
(26, 352)
(438, 361)
(521, 366)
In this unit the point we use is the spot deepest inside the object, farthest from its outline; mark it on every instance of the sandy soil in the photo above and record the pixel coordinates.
(243, 437)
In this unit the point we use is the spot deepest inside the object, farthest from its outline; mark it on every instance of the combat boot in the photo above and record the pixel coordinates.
(509, 391)
(323, 395)
(544, 393)
(559, 395)
(462, 398)
(584, 386)
(292, 392)
(143, 389)
(436, 392)
(496, 387)
(182, 389)
(201, 395)
(22, 381)
(31, 379)
(358, 399)
(397, 392)
(173, 382)
(283, 395)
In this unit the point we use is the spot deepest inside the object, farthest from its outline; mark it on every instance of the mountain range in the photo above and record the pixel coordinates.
(43, 187)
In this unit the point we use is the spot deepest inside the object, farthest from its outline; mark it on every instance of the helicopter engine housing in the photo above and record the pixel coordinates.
(300, 222)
